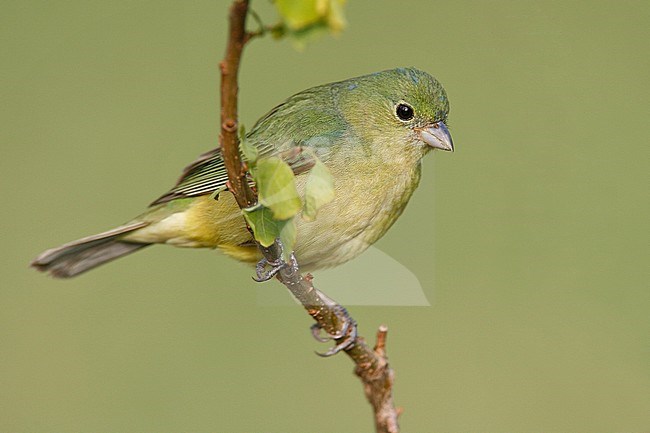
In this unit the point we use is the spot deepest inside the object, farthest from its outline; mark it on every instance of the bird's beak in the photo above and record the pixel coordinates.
(438, 136)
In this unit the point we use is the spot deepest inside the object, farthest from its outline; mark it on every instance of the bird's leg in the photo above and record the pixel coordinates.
(345, 338)
(275, 265)
(264, 275)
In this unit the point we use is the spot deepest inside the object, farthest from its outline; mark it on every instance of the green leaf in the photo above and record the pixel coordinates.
(265, 228)
(335, 17)
(276, 188)
(319, 190)
(249, 151)
(288, 235)
(298, 14)
(304, 19)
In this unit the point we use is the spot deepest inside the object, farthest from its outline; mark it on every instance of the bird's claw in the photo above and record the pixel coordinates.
(262, 274)
(315, 332)
(275, 266)
(347, 334)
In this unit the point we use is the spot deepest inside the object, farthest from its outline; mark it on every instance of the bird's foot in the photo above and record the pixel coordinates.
(345, 338)
(275, 266)
(264, 275)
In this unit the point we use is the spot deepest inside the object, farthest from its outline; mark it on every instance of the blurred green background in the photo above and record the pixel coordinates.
(531, 241)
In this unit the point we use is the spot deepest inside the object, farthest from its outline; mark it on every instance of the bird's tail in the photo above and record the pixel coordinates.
(87, 253)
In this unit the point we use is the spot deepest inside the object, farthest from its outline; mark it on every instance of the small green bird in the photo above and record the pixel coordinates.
(371, 132)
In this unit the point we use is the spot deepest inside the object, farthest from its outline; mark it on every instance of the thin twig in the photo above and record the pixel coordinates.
(262, 29)
(237, 182)
(371, 365)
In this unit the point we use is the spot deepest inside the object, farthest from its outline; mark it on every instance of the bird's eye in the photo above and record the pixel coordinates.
(404, 112)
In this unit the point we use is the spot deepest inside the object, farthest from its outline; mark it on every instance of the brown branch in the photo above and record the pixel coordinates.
(229, 66)
(378, 385)
(371, 365)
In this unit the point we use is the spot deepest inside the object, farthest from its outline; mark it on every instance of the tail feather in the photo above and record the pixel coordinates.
(87, 253)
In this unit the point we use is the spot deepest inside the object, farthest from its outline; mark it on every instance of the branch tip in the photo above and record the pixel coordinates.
(380, 345)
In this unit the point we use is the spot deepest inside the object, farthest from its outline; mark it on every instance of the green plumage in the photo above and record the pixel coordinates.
(370, 131)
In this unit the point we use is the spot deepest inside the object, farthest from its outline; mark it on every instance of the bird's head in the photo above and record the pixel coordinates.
(402, 107)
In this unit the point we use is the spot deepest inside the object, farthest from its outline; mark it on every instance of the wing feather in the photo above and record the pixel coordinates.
(285, 131)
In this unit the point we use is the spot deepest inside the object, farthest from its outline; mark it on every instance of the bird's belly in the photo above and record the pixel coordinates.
(335, 237)
(346, 227)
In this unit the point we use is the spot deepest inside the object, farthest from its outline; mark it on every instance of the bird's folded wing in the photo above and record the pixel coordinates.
(203, 176)
(208, 173)
(286, 131)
